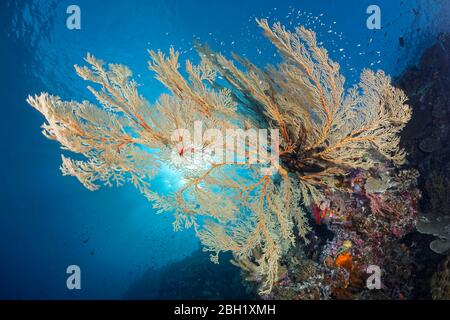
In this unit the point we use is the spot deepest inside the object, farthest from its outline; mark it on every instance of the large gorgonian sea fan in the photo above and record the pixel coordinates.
(325, 131)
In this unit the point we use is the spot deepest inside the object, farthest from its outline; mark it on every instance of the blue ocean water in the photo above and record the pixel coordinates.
(48, 221)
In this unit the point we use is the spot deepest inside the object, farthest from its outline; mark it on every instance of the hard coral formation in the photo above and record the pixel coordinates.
(438, 226)
(440, 282)
(436, 220)
(334, 142)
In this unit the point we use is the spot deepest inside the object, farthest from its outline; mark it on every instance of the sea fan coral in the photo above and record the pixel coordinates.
(233, 205)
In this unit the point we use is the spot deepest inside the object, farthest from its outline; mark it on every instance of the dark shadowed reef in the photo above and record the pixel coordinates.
(194, 277)
(426, 140)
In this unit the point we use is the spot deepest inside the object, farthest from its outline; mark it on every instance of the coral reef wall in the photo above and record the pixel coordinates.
(426, 140)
